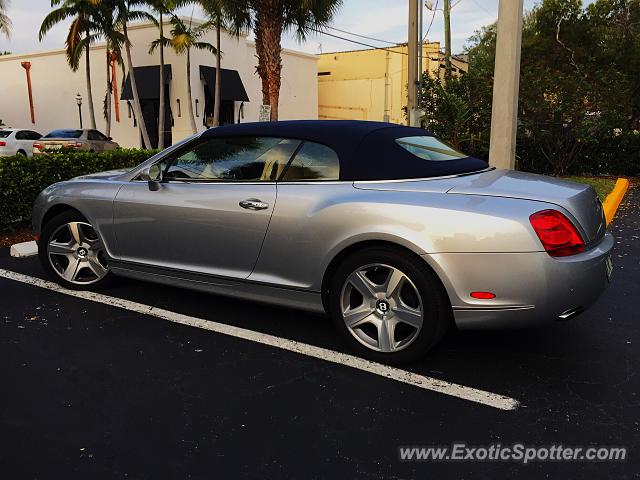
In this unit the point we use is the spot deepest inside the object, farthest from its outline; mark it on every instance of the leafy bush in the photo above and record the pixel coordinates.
(579, 103)
(22, 178)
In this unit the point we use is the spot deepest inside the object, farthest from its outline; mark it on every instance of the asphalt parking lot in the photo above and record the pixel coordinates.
(91, 390)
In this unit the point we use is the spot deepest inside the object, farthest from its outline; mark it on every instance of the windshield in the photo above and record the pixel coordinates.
(5, 133)
(64, 134)
(429, 148)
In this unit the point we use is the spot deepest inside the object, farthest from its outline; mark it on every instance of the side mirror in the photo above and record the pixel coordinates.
(154, 177)
(110, 138)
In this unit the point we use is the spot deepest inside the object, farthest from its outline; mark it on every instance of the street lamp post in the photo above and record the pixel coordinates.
(79, 102)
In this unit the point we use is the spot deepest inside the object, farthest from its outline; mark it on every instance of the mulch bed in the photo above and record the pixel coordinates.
(21, 233)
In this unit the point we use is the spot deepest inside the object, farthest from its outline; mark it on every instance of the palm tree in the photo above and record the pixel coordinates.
(162, 8)
(124, 14)
(269, 19)
(79, 37)
(219, 13)
(105, 26)
(184, 37)
(5, 21)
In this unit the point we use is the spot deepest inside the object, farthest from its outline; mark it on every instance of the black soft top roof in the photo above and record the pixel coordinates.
(367, 150)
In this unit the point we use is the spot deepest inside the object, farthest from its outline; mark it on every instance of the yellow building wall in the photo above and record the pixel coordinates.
(368, 84)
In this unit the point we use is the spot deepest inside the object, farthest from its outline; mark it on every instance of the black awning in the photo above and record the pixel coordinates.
(231, 87)
(147, 81)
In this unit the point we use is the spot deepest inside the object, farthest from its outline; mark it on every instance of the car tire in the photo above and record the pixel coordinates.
(394, 289)
(21, 152)
(71, 252)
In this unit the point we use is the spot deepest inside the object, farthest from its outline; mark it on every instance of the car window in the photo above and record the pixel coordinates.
(22, 135)
(429, 148)
(233, 159)
(313, 162)
(5, 133)
(64, 134)
(34, 136)
(96, 135)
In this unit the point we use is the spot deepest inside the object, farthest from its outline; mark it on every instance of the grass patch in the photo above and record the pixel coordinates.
(602, 185)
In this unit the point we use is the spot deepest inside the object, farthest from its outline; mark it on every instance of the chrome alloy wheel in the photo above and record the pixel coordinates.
(381, 307)
(77, 254)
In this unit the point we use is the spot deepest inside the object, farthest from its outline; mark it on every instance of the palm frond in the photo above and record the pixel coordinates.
(76, 30)
(205, 46)
(201, 29)
(74, 54)
(307, 16)
(140, 15)
(5, 25)
(164, 41)
(181, 42)
(54, 17)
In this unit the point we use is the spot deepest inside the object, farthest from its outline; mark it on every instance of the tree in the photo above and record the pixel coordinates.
(218, 11)
(105, 26)
(269, 19)
(184, 37)
(163, 8)
(79, 37)
(124, 14)
(579, 107)
(5, 21)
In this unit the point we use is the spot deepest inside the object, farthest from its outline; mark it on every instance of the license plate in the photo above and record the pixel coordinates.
(53, 146)
(609, 265)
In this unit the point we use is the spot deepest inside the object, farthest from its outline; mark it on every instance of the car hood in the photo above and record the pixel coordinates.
(108, 175)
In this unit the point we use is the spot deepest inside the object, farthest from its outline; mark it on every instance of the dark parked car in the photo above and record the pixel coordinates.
(78, 139)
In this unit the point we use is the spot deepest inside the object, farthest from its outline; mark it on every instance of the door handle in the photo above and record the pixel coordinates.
(253, 204)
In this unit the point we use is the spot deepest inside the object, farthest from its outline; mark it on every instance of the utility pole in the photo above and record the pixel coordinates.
(413, 70)
(447, 38)
(506, 84)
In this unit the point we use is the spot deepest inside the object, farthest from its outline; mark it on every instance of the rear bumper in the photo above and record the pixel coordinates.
(531, 288)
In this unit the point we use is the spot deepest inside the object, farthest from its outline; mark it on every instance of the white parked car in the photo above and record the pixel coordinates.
(17, 141)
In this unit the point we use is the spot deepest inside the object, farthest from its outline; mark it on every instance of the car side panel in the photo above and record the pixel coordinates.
(11, 146)
(531, 288)
(93, 198)
(314, 221)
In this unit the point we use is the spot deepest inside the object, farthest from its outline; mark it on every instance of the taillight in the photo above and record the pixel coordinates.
(77, 145)
(3, 144)
(558, 235)
(38, 146)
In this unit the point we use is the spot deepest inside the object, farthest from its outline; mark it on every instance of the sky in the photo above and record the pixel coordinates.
(381, 19)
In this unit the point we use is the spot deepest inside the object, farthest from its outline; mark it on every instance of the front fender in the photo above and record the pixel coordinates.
(92, 198)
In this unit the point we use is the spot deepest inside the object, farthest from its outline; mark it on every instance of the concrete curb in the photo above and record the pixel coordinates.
(24, 249)
(612, 202)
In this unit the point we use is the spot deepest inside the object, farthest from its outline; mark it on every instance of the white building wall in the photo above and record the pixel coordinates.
(55, 86)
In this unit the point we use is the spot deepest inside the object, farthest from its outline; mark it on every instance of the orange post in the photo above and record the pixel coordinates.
(114, 82)
(27, 67)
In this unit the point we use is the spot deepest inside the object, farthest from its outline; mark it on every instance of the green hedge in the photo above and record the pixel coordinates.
(23, 178)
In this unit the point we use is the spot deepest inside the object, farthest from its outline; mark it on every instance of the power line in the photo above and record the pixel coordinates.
(358, 43)
(483, 8)
(362, 36)
(431, 22)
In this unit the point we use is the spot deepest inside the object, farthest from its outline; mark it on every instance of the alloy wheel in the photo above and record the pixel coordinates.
(382, 307)
(76, 253)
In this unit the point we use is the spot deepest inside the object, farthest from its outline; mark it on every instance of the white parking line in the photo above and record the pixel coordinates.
(447, 388)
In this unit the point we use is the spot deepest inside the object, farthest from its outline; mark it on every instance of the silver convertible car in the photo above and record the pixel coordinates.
(391, 232)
